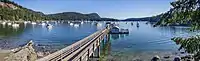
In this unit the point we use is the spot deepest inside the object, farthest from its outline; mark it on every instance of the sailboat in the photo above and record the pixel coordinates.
(131, 23)
(49, 26)
(138, 24)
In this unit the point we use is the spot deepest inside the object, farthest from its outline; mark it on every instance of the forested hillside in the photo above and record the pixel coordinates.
(14, 12)
(74, 16)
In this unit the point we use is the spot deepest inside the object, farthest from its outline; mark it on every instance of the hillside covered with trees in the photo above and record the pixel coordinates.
(74, 16)
(14, 12)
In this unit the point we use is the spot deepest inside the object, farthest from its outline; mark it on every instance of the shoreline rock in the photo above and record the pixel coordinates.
(25, 53)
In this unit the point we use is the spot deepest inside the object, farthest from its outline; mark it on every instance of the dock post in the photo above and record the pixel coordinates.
(80, 59)
(98, 52)
(93, 49)
(88, 54)
(103, 41)
(107, 37)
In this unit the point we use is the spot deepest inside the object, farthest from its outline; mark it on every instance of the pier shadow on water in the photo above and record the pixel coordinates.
(118, 36)
(106, 46)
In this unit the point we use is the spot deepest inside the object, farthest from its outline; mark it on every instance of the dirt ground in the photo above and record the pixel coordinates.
(4, 54)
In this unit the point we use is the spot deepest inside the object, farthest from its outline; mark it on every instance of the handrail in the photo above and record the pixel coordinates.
(71, 48)
(74, 54)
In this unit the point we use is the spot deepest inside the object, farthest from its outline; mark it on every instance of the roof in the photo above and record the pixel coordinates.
(115, 27)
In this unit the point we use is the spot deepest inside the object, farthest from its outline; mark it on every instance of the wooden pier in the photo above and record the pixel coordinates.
(81, 50)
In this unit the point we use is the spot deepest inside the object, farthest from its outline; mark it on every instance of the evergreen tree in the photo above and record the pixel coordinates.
(185, 12)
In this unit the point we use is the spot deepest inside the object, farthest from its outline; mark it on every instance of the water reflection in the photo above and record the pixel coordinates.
(105, 49)
(118, 36)
(106, 46)
(64, 34)
(60, 36)
(9, 30)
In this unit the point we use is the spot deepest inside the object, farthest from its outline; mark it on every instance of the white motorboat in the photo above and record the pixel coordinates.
(25, 22)
(43, 24)
(15, 25)
(33, 23)
(76, 25)
(9, 23)
(3, 23)
(71, 24)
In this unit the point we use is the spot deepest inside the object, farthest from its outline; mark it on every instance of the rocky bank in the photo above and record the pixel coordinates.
(25, 53)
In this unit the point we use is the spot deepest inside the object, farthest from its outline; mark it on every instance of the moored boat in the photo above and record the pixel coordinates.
(15, 25)
(33, 23)
(117, 30)
(76, 25)
(3, 23)
(9, 23)
(71, 24)
(49, 26)
(138, 25)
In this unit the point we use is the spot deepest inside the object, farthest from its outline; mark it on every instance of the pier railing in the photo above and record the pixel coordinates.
(80, 50)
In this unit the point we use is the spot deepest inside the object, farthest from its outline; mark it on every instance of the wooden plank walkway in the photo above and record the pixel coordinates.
(81, 50)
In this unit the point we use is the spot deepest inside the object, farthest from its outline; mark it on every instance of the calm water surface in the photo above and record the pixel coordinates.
(142, 42)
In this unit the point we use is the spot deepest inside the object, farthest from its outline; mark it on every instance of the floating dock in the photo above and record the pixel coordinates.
(117, 30)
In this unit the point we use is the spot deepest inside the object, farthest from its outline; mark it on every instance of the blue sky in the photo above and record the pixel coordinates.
(119, 9)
